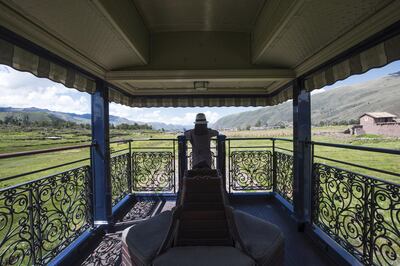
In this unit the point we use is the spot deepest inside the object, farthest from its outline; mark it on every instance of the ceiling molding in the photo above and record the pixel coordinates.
(272, 20)
(11, 19)
(379, 21)
(126, 20)
(187, 75)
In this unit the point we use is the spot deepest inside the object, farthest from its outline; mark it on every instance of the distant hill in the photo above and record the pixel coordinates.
(345, 103)
(37, 114)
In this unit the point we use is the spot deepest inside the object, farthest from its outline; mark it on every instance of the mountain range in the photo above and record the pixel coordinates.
(328, 106)
(37, 114)
(335, 105)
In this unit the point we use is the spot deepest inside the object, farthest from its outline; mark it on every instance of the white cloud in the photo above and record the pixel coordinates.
(151, 115)
(20, 89)
(318, 91)
(189, 117)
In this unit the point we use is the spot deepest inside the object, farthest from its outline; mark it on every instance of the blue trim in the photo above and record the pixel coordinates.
(121, 204)
(154, 195)
(284, 202)
(253, 195)
(332, 249)
(69, 254)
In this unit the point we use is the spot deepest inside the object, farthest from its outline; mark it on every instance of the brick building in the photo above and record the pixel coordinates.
(380, 123)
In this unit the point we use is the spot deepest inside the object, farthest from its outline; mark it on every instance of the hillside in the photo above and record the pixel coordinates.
(333, 106)
(38, 115)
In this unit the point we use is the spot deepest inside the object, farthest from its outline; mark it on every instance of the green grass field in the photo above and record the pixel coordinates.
(16, 140)
(13, 139)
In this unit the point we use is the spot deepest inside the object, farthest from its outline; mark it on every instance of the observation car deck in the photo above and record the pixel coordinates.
(107, 250)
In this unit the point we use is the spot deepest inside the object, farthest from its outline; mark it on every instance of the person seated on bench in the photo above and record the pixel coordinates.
(200, 138)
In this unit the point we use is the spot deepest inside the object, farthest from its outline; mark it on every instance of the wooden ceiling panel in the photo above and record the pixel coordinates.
(204, 15)
(311, 26)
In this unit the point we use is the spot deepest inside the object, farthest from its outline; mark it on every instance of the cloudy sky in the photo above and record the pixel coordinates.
(20, 89)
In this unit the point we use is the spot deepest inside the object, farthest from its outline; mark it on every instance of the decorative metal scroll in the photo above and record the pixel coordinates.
(360, 213)
(108, 252)
(39, 219)
(120, 177)
(141, 210)
(284, 175)
(251, 170)
(153, 171)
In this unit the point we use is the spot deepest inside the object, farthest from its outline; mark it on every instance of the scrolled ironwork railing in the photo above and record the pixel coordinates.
(120, 176)
(250, 170)
(153, 171)
(284, 175)
(38, 219)
(361, 213)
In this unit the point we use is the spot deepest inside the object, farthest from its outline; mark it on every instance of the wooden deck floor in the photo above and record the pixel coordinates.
(299, 249)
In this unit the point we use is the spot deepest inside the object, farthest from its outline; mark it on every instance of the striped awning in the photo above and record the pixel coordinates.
(376, 56)
(280, 96)
(23, 60)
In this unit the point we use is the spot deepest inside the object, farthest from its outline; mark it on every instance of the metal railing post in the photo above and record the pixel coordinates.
(182, 159)
(221, 159)
(130, 166)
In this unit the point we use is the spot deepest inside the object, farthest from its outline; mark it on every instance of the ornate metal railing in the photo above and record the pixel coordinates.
(284, 175)
(120, 176)
(40, 218)
(251, 170)
(359, 212)
(153, 171)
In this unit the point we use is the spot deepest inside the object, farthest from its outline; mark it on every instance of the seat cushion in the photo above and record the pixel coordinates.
(262, 240)
(203, 256)
(144, 239)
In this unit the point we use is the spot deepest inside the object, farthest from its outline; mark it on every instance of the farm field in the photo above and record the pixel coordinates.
(16, 140)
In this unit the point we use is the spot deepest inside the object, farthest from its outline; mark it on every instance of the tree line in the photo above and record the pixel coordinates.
(134, 126)
(55, 122)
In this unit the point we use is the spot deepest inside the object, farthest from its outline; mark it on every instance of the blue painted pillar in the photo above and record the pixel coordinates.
(102, 209)
(221, 159)
(302, 153)
(182, 159)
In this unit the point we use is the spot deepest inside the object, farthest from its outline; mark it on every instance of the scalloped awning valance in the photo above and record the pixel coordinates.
(24, 60)
(376, 56)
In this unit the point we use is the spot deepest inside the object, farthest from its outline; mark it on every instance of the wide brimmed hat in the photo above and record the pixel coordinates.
(201, 119)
